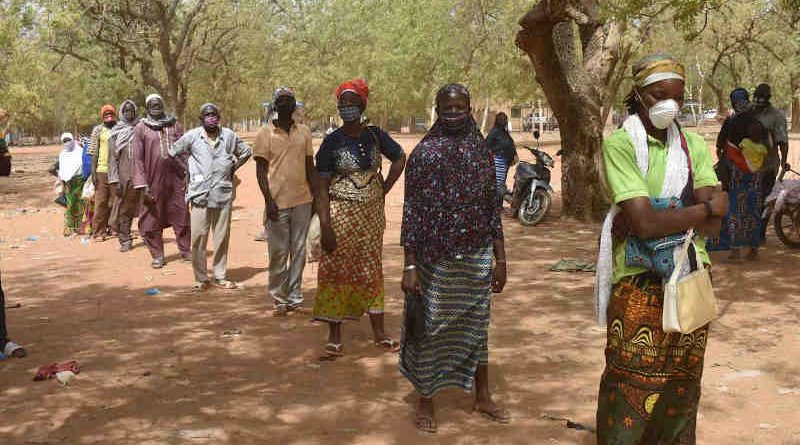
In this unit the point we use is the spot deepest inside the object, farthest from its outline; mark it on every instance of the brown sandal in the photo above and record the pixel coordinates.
(499, 415)
(425, 423)
(388, 345)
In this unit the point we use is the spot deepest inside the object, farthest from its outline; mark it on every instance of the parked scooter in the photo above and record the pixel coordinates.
(784, 202)
(531, 197)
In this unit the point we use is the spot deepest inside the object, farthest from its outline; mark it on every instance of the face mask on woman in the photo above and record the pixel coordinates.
(350, 113)
(454, 122)
(663, 113)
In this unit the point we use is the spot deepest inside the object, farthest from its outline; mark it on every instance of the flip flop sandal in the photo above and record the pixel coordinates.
(388, 345)
(426, 423)
(157, 263)
(226, 284)
(334, 349)
(14, 350)
(499, 415)
(200, 286)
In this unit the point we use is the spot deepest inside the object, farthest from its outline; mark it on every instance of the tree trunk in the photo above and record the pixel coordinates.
(579, 58)
(722, 100)
(582, 148)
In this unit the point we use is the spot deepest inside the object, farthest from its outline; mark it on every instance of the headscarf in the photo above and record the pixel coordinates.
(452, 88)
(70, 160)
(283, 91)
(157, 124)
(122, 133)
(108, 108)
(657, 67)
(764, 91)
(739, 95)
(451, 203)
(358, 86)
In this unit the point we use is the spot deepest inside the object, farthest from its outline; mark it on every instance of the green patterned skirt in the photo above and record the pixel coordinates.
(650, 389)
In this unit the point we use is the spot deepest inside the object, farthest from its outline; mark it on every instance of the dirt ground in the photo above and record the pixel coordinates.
(159, 369)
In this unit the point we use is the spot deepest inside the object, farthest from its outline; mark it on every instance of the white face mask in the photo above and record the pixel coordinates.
(663, 113)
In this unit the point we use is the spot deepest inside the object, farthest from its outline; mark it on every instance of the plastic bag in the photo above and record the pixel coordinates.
(313, 240)
(88, 190)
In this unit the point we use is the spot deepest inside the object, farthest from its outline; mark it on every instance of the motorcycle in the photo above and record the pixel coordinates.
(531, 196)
(784, 202)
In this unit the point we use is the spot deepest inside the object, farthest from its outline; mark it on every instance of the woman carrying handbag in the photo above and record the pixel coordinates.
(662, 183)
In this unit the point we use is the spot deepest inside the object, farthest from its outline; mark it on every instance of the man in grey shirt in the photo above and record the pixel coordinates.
(215, 155)
(774, 120)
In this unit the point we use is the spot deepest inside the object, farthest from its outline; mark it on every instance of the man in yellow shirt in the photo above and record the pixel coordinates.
(287, 178)
(98, 148)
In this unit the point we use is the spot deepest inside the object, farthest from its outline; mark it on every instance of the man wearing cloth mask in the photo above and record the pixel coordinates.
(774, 120)
(120, 171)
(215, 153)
(161, 179)
(287, 178)
(98, 148)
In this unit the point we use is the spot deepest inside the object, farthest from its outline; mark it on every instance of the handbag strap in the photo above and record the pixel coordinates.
(682, 257)
(687, 195)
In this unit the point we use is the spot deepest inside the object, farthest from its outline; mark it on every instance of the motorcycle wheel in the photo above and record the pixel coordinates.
(787, 226)
(532, 211)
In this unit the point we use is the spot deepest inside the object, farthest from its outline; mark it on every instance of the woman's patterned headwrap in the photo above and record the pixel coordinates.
(657, 67)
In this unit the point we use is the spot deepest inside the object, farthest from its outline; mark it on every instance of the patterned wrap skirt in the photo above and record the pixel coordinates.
(350, 280)
(650, 389)
(742, 225)
(76, 207)
(451, 338)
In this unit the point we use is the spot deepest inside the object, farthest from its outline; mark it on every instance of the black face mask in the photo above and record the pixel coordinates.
(454, 122)
(285, 108)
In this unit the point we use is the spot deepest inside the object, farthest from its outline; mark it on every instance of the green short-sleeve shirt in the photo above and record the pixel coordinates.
(625, 181)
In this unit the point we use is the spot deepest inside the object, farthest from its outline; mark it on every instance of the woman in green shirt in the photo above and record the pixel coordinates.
(650, 388)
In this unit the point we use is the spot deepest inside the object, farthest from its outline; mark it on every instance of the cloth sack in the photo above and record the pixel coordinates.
(88, 190)
(313, 240)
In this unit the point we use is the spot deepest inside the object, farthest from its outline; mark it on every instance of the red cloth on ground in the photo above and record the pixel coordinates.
(49, 371)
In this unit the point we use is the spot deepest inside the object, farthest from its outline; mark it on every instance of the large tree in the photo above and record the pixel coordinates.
(580, 52)
(157, 42)
(579, 57)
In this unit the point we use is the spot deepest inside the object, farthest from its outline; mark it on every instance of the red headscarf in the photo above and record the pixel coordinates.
(358, 86)
(107, 109)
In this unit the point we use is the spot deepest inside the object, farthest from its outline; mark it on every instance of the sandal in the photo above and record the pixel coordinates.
(200, 286)
(14, 350)
(157, 263)
(499, 415)
(280, 311)
(388, 345)
(226, 284)
(334, 349)
(425, 423)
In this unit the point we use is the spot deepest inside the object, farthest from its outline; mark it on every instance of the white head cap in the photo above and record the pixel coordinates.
(151, 97)
(66, 137)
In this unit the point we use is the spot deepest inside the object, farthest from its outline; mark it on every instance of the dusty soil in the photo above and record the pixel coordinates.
(158, 369)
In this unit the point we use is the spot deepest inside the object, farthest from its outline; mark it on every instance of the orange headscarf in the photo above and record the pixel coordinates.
(358, 86)
(106, 109)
